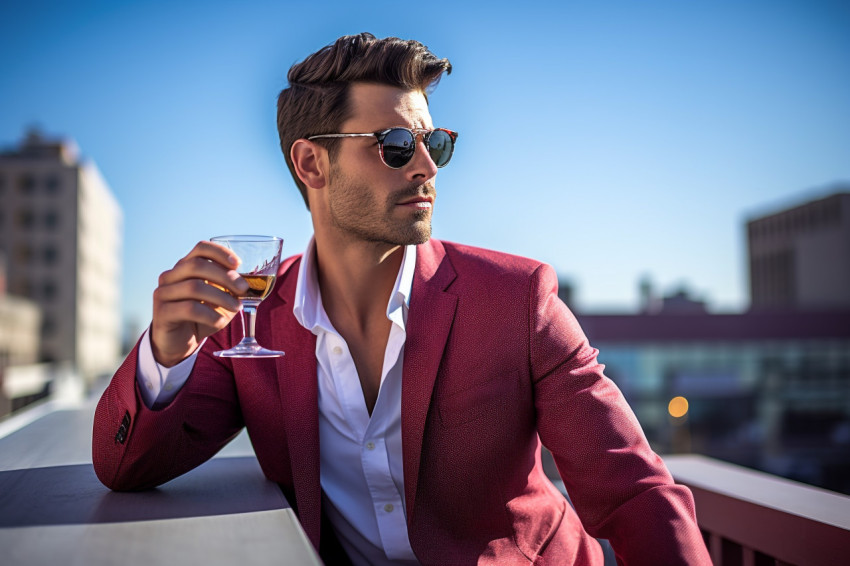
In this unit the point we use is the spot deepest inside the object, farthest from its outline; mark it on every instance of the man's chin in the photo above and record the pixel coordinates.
(422, 232)
(415, 235)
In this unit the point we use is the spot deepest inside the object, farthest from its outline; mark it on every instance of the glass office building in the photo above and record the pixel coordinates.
(768, 390)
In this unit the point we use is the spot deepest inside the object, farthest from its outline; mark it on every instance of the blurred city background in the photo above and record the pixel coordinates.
(684, 166)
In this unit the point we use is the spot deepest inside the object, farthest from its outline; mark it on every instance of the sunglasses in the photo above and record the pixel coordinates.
(397, 145)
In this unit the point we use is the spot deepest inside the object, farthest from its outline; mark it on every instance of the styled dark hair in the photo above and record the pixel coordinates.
(316, 100)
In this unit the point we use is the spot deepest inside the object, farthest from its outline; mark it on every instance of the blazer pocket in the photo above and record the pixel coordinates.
(490, 397)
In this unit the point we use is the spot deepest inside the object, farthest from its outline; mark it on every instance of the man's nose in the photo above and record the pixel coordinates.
(421, 165)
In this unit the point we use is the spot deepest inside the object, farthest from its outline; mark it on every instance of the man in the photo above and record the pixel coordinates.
(405, 422)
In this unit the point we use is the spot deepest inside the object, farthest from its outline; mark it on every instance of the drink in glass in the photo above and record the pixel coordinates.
(260, 258)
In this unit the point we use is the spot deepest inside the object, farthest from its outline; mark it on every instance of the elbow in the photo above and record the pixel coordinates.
(115, 481)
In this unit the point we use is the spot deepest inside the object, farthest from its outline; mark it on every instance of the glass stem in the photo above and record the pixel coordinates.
(249, 319)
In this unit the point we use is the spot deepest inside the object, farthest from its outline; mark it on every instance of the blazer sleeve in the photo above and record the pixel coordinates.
(621, 489)
(135, 448)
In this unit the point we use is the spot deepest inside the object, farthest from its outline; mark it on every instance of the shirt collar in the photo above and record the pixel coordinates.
(308, 309)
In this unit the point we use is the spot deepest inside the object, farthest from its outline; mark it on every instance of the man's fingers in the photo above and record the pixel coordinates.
(196, 290)
(204, 315)
(216, 253)
(208, 252)
(193, 300)
(204, 269)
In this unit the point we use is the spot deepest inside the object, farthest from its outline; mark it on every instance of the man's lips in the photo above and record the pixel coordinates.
(418, 202)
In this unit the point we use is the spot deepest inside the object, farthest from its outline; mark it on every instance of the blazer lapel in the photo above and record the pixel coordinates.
(297, 380)
(428, 323)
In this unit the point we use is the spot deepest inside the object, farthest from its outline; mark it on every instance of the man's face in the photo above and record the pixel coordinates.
(366, 199)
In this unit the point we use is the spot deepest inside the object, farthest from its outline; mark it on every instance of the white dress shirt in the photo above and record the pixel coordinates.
(361, 466)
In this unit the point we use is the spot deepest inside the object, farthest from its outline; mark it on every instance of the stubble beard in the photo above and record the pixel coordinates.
(355, 211)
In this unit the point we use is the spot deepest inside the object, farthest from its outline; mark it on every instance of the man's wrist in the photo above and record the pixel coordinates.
(170, 360)
(159, 384)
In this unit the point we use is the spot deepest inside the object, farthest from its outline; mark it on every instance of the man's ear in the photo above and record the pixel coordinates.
(310, 161)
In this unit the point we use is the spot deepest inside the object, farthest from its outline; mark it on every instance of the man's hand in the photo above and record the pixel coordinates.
(189, 303)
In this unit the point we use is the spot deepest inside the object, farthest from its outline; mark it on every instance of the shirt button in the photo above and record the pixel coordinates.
(169, 387)
(337, 350)
(370, 446)
(150, 385)
(388, 507)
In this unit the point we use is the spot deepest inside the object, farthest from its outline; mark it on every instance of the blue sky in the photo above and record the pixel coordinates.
(612, 139)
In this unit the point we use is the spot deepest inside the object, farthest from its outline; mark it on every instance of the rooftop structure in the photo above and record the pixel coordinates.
(800, 257)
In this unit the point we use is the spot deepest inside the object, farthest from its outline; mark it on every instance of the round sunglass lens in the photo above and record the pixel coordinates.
(398, 148)
(440, 146)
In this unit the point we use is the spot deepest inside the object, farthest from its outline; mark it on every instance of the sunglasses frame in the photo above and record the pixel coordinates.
(414, 133)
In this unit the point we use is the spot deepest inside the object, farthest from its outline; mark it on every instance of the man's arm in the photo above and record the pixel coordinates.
(620, 488)
(136, 447)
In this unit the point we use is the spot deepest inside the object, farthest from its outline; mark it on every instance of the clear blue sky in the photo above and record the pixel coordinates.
(611, 139)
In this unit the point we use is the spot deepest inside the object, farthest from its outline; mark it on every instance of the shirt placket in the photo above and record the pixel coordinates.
(386, 498)
(347, 384)
(386, 501)
(388, 507)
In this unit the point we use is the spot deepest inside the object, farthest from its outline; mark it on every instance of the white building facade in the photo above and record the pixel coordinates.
(61, 234)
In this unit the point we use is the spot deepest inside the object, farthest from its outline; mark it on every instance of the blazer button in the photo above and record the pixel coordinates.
(121, 435)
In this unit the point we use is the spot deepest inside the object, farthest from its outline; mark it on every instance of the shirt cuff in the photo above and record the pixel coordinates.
(158, 384)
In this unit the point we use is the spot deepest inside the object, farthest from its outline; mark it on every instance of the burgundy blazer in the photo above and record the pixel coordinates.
(494, 364)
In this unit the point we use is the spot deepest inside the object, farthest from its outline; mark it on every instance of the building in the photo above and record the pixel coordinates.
(60, 231)
(20, 324)
(800, 257)
(767, 390)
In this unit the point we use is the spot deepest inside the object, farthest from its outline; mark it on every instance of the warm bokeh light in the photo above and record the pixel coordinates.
(678, 407)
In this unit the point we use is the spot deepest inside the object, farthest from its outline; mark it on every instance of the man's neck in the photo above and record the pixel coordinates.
(355, 280)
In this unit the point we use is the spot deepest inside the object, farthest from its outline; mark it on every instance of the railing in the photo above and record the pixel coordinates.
(52, 507)
(750, 518)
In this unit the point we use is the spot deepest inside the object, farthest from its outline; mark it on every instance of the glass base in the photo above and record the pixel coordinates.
(248, 348)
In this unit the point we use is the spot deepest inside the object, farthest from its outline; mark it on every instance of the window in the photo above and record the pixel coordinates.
(50, 254)
(52, 184)
(48, 326)
(23, 253)
(51, 219)
(20, 286)
(49, 290)
(25, 219)
(26, 184)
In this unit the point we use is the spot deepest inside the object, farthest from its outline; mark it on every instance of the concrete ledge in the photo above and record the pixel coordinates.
(54, 510)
